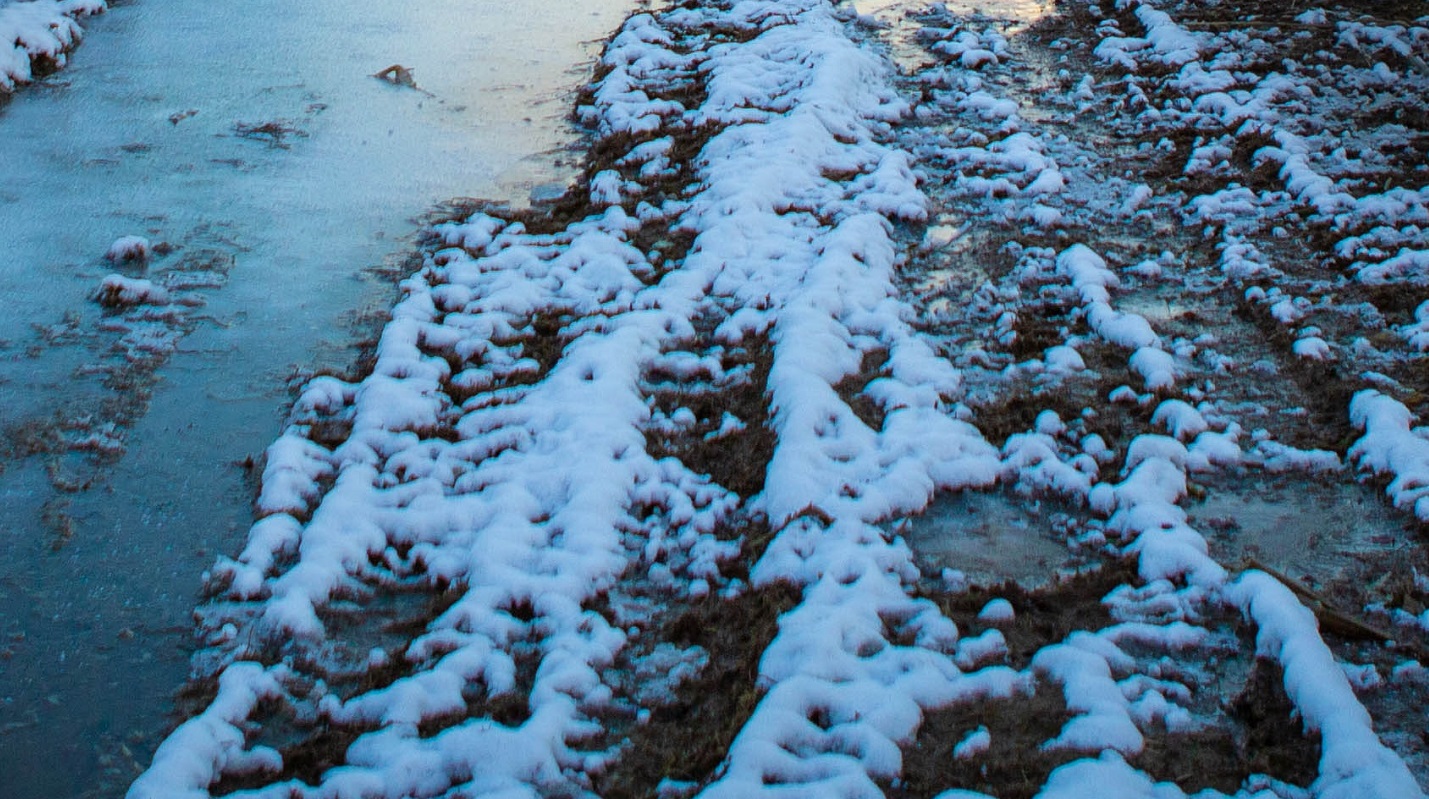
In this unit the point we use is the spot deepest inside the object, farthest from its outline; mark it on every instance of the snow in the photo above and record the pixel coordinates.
(1180, 419)
(976, 742)
(525, 478)
(1353, 762)
(129, 248)
(39, 30)
(201, 748)
(1389, 448)
(1102, 719)
(118, 291)
(1113, 778)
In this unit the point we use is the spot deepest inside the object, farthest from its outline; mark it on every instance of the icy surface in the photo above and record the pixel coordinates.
(144, 415)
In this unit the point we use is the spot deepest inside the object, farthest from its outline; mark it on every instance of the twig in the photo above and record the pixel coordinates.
(398, 75)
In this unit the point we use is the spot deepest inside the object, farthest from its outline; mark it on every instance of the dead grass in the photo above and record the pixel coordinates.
(275, 133)
(1038, 328)
(736, 460)
(1014, 767)
(851, 389)
(687, 740)
(1044, 616)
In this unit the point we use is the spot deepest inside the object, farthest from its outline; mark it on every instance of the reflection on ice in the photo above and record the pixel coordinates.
(1019, 12)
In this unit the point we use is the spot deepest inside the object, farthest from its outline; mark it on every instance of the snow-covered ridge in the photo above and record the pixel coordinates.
(1379, 228)
(1391, 448)
(35, 31)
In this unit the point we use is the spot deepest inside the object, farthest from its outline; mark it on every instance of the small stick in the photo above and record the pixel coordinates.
(398, 75)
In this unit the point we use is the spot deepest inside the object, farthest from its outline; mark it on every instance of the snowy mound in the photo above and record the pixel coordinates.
(37, 35)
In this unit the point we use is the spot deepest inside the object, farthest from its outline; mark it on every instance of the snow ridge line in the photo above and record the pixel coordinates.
(840, 695)
(1144, 509)
(1181, 581)
(494, 499)
(1143, 512)
(39, 30)
(1387, 244)
(518, 497)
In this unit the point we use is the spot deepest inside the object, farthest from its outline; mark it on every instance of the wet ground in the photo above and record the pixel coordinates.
(280, 185)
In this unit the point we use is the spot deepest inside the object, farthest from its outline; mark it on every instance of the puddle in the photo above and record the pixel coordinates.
(990, 538)
(1008, 18)
(154, 130)
(1317, 533)
(1013, 14)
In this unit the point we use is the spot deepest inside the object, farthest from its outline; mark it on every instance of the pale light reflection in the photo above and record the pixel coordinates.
(1017, 14)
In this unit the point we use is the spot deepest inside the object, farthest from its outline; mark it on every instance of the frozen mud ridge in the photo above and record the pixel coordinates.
(624, 504)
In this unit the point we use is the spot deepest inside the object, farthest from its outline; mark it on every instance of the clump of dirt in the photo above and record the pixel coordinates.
(754, 533)
(1274, 741)
(1039, 328)
(329, 433)
(541, 340)
(688, 739)
(275, 133)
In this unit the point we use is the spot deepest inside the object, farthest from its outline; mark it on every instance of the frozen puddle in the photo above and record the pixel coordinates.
(1008, 16)
(990, 538)
(252, 139)
(1316, 534)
